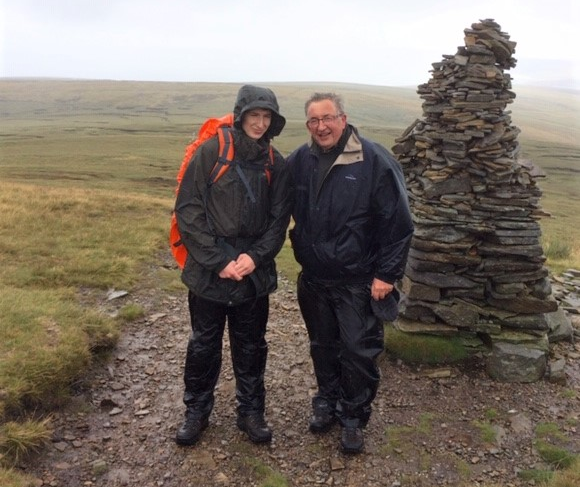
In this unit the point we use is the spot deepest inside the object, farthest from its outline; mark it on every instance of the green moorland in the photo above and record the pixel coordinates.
(87, 177)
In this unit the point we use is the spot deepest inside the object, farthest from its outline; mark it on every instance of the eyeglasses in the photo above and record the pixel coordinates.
(326, 120)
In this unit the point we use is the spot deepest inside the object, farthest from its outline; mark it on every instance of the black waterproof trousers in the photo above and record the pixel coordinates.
(345, 341)
(249, 350)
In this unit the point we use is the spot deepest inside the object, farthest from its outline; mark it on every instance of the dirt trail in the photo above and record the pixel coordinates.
(428, 428)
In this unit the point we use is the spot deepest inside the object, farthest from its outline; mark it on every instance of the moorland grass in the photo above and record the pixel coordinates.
(63, 237)
(45, 343)
(59, 241)
(53, 242)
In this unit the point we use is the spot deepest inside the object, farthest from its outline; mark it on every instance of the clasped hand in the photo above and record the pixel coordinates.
(239, 268)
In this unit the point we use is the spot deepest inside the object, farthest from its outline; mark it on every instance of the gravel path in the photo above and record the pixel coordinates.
(431, 426)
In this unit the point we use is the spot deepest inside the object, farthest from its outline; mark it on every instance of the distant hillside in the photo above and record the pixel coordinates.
(546, 115)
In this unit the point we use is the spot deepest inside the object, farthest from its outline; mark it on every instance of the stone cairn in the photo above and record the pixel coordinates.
(476, 265)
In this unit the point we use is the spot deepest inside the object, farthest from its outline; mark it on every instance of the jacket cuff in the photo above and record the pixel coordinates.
(254, 257)
(386, 278)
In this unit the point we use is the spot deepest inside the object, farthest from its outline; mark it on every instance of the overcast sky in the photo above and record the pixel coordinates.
(379, 42)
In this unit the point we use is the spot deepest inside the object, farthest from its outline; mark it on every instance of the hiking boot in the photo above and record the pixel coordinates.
(255, 427)
(191, 430)
(322, 420)
(352, 439)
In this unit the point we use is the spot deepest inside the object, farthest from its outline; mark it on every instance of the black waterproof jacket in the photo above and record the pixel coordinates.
(213, 220)
(358, 226)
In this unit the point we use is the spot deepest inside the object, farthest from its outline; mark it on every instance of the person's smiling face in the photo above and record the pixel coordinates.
(325, 123)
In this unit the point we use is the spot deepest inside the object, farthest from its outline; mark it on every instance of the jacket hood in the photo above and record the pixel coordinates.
(251, 97)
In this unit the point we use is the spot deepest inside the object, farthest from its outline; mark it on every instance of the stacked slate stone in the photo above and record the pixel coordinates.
(476, 264)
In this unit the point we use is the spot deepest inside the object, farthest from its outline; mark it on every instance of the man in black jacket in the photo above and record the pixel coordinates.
(351, 236)
(232, 230)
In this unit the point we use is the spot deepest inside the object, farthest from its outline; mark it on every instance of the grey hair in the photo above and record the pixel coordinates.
(333, 97)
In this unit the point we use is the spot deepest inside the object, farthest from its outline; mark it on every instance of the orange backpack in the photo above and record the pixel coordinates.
(211, 127)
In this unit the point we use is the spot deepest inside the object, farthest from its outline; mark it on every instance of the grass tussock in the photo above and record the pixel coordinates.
(486, 431)
(45, 344)
(555, 456)
(403, 439)
(552, 446)
(562, 466)
(561, 252)
(423, 349)
(537, 475)
(131, 312)
(549, 430)
(19, 439)
(11, 478)
(567, 478)
(169, 280)
(268, 477)
(556, 249)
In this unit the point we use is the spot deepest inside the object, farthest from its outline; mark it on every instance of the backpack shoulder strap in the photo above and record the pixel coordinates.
(269, 165)
(225, 154)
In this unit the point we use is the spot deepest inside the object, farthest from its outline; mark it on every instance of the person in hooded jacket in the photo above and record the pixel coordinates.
(232, 231)
(351, 235)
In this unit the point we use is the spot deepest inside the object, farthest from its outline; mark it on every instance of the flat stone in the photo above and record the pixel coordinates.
(441, 280)
(560, 326)
(557, 372)
(428, 246)
(499, 265)
(429, 266)
(446, 258)
(521, 424)
(523, 250)
(449, 186)
(418, 291)
(516, 363)
(518, 276)
(410, 326)
(461, 315)
(527, 305)
(524, 337)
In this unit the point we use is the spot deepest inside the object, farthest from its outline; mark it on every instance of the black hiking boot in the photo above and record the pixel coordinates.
(322, 419)
(255, 427)
(352, 440)
(190, 431)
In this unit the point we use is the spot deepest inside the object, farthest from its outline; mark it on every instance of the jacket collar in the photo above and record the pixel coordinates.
(352, 151)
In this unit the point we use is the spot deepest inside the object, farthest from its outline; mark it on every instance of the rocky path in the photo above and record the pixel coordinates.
(431, 426)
